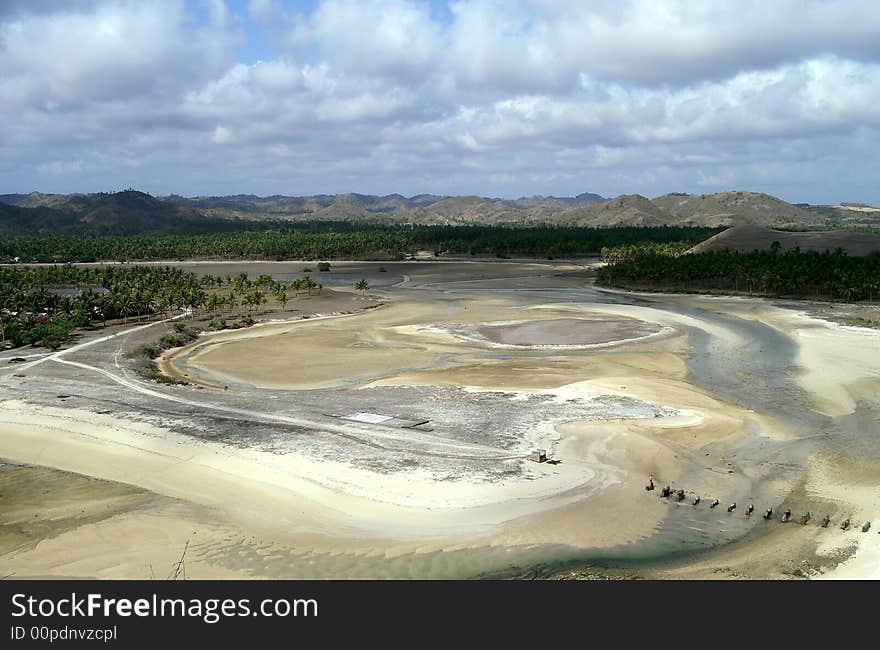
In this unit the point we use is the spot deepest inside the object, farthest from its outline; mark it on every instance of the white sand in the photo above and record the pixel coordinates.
(568, 503)
(310, 492)
(855, 491)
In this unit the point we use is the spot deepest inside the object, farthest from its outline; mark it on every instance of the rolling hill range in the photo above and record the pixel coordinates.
(734, 208)
(121, 213)
(132, 212)
(747, 238)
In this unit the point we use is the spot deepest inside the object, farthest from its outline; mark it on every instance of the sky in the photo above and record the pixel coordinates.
(495, 98)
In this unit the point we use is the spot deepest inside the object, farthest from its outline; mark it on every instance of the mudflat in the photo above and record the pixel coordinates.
(395, 441)
(567, 332)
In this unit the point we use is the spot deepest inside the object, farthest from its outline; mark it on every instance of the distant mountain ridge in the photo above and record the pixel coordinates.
(121, 213)
(133, 212)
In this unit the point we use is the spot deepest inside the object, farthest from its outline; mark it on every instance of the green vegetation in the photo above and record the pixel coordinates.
(44, 305)
(337, 240)
(626, 251)
(362, 286)
(833, 228)
(547, 241)
(145, 352)
(144, 355)
(245, 321)
(875, 230)
(793, 273)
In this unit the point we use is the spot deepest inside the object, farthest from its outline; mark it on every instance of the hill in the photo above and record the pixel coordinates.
(34, 220)
(846, 214)
(625, 210)
(558, 201)
(747, 238)
(36, 200)
(469, 209)
(329, 207)
(132, 212)
(120, 213)
(733, 209)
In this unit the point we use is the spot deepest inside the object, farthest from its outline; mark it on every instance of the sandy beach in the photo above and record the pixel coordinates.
(395, 442)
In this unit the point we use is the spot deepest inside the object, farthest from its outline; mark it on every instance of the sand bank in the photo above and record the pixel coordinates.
(310, 493)
(321, 504)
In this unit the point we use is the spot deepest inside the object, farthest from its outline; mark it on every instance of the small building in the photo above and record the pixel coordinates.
(539, 455)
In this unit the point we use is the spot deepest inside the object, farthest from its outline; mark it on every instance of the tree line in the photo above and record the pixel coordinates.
(333, 240)
(793, 273)
(626, 251)
(43, 305)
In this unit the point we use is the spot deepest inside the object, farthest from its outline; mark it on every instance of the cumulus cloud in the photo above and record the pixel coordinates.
(489, 97)
(109, 51)
(387, 37)
(641, 41)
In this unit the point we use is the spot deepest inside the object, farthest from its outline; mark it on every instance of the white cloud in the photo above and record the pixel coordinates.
(60, 167)
(543, 96)
(114, 51)
(385, 37)
(644, 41)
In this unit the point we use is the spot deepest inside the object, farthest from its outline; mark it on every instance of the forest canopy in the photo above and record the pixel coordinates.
(793, 273)
(340, 240)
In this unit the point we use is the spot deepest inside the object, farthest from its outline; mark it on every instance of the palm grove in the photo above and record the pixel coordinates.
(43, 305)
(339, 240)
(793, 273)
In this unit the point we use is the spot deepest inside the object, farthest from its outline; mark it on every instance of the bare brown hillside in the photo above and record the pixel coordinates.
(733, 209)
(625, 210)
(468, 209)
(130, 212)
(748, 238)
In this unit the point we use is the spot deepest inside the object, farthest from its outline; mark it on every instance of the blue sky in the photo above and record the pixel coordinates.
(258, 46)
(498, 98)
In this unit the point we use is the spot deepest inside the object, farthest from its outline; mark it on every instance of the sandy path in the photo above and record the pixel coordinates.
(54, 356)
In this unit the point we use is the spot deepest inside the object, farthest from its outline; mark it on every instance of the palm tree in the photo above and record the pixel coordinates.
(231, 302)
(213, 302)
(265, 280)
(240, 282)
(104, 306)
(255, 299)
(195, 298)
(280, 291)
(4, 318)
(362, 286)
(124, 303)
(163, 303)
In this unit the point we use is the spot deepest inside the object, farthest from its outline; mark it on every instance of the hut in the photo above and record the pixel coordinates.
(539, 455)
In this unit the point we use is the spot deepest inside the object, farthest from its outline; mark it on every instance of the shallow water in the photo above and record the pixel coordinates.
(756, 375)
